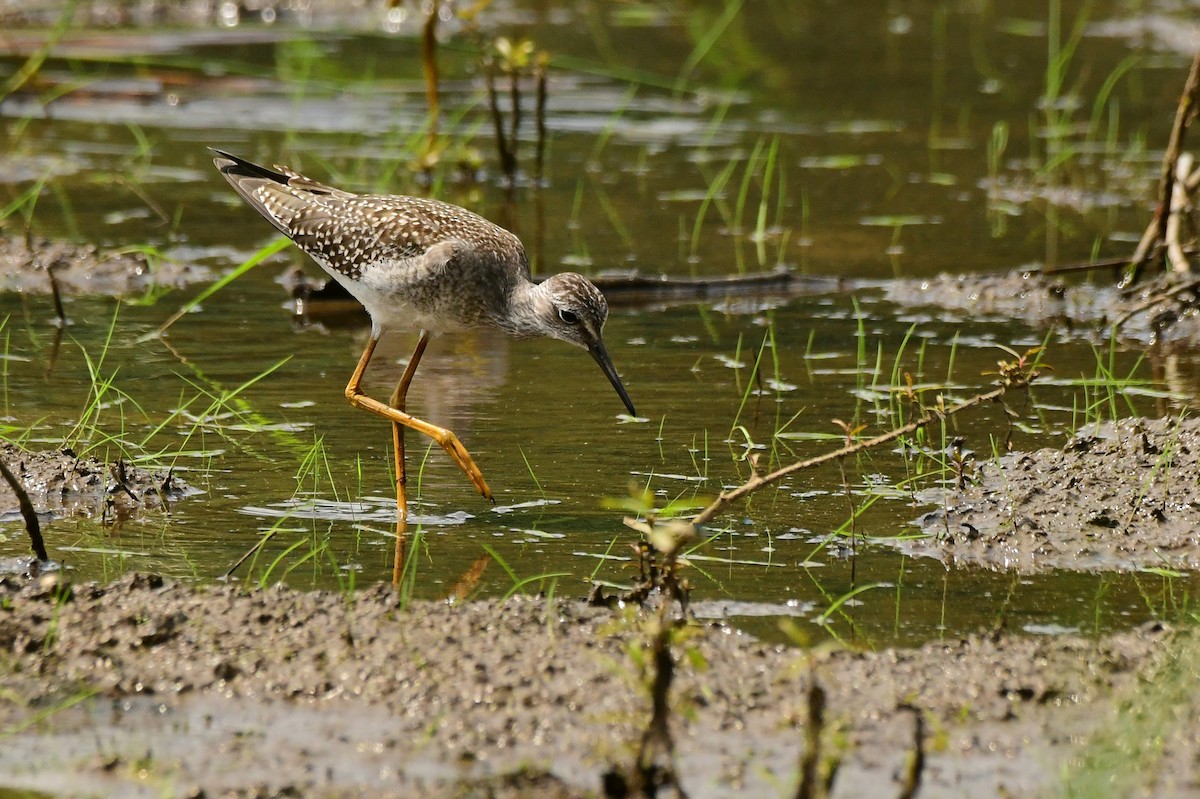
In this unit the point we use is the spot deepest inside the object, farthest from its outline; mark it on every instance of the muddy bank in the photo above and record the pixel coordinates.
(60, 483)
(85, 269)
(153, 688)
(1119, 496)
(1164, 310)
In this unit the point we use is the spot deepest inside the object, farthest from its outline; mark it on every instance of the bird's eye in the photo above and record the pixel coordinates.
(569, 317)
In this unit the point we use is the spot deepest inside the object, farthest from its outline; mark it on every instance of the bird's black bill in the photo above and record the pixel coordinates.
(601, 355)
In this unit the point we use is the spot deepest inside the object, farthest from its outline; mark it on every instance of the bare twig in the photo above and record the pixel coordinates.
(658, 561)
(430, 68)
(756, 481)
(914, 765)
(1156, 299)
(1193, 181)
(540, 116)
(32, 526)
(508, 161)
(1180, 204)
(56, 296)
(811, 786)
(1147, 250)
(1185, 113)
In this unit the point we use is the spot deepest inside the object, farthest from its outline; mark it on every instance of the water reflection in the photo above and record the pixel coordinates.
(459, 377)
(362, 510)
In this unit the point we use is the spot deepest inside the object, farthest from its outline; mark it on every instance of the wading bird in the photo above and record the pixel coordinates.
(421, 264)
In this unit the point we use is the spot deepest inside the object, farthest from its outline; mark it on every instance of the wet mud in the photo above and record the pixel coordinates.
(1159, 311)
(60, 483)
(34, 267)
(152, 688)
(1118, 497)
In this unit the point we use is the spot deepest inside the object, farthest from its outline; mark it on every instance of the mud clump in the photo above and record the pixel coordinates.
(61, 483)
(151, 687)
(1120, 496)
(86, 270)
(1158, 310)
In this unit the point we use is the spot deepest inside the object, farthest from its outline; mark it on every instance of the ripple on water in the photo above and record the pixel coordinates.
(366, 509)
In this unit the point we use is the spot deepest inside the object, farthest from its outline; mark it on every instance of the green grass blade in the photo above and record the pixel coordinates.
(254, 260)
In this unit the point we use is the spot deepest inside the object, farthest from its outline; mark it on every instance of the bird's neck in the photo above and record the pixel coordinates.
(527, 304)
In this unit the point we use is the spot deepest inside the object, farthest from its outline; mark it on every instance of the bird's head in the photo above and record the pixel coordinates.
(572, 309)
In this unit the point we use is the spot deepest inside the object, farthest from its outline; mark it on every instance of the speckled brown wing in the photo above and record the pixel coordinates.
(348, 232)
(325, 222)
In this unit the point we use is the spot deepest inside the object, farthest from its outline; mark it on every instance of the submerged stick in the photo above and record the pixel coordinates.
(32, 526)
(56, 296)
(1080, 266)
(254, 550)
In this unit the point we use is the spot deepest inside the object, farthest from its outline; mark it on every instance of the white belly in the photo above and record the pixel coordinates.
(397, 303)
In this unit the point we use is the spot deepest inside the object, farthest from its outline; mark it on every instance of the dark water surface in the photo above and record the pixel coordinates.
(861, 134)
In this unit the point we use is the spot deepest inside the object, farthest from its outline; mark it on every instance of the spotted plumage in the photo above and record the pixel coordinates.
(416, 263)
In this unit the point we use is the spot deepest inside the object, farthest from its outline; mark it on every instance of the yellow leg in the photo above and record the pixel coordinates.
(400, 395)
(446, 439)
(401, 503)
(397, 401)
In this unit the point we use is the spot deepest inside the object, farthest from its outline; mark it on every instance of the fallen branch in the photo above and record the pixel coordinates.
(1180, 205)
(1156, 299)
(1081, 266)
(1155, 236)
(758, 481)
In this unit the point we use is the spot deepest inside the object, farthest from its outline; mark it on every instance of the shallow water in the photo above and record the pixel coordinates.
(881, 169)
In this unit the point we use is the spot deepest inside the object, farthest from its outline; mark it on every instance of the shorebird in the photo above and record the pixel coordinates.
(421, 264)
